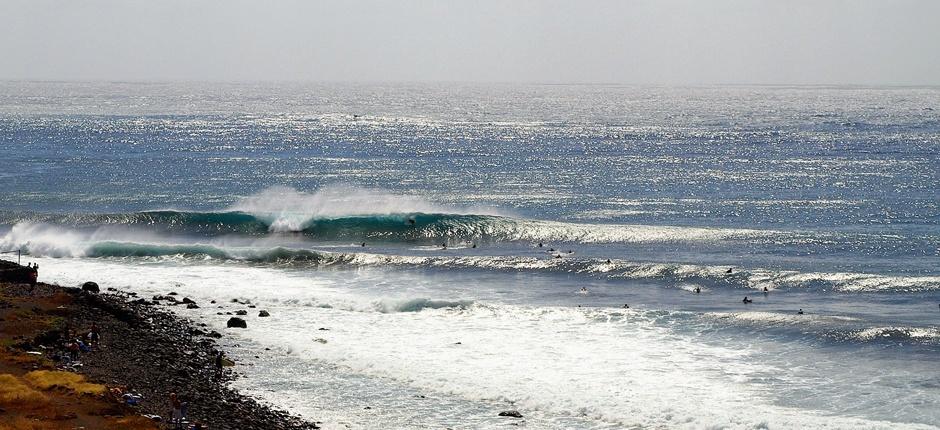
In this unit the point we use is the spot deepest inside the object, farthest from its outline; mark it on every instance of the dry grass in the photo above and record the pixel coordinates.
(131, 423)
(49, 379)
(21, 423)
(14, 393)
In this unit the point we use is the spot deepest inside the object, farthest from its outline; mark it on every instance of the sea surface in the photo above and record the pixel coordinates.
(433, 254)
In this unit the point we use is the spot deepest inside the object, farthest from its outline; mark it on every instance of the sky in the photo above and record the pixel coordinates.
(890, 42)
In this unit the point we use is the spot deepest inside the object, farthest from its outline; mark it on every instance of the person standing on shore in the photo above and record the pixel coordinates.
(219, 364)
(176, 417)
(95, 335)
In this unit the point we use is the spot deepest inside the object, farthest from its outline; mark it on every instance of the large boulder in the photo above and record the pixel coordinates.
(91, 287)
(237, 322)
(264, 314)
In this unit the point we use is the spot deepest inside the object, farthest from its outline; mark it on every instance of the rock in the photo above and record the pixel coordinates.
(236, 322)
(188, 300)
(173, 293)
(192, 306)
(512, 414)
(320, 340)
(264, 314)
(241, 312)
(214, 334)
(91, 287)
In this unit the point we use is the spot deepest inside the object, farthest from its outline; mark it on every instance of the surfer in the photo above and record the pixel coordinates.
(584, 290)
(474, 246)
(746, 300)
(800, 312)
(626, 306)
(728, 271)
(698, 290)
(411, 221)
(540, 244)
(608, 261)
(363, 244)
(444, 245)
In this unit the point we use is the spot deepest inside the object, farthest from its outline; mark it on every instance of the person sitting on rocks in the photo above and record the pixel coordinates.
(74, 350)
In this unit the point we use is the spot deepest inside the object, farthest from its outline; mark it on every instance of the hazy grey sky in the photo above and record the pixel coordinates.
(670, 42)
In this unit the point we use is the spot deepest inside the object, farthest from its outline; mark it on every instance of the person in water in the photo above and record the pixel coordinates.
(728, 271)
(800, 312)
(698, 290)
(626, 306)
(746, 300)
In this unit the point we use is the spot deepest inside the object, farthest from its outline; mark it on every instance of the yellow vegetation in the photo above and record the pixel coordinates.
(20, 423)
(14, 392)
(47, 379)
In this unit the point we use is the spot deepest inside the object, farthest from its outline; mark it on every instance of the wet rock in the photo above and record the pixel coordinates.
(188, 300)
(214, 334)
(91, 287)
(173, 293)
(512, 414)
(236, 322)
(264, 314)
(192, 306)
(241, 312)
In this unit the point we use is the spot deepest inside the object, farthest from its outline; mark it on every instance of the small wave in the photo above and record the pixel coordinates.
(836, 328)
(417, 305)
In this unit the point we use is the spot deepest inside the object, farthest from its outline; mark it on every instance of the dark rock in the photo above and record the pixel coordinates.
(214, 334)
(241, 312)
(91, 287)
(192, 306)
(264, 314)
(173, 293)
(188, 300)
(513, 414)
(236, 322)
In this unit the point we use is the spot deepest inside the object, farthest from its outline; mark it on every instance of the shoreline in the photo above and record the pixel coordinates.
(143, 349)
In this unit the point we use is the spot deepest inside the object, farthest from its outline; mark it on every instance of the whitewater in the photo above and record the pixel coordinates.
(581, 257)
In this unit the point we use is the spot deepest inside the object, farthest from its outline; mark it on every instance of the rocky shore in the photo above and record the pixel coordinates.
(142, 349)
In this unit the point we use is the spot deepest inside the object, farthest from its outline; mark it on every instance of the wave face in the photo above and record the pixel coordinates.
(399, 227)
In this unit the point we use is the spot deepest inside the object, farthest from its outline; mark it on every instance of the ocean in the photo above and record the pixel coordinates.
(433, 254)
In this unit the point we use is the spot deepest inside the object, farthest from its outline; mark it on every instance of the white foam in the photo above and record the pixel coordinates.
(610, 367)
